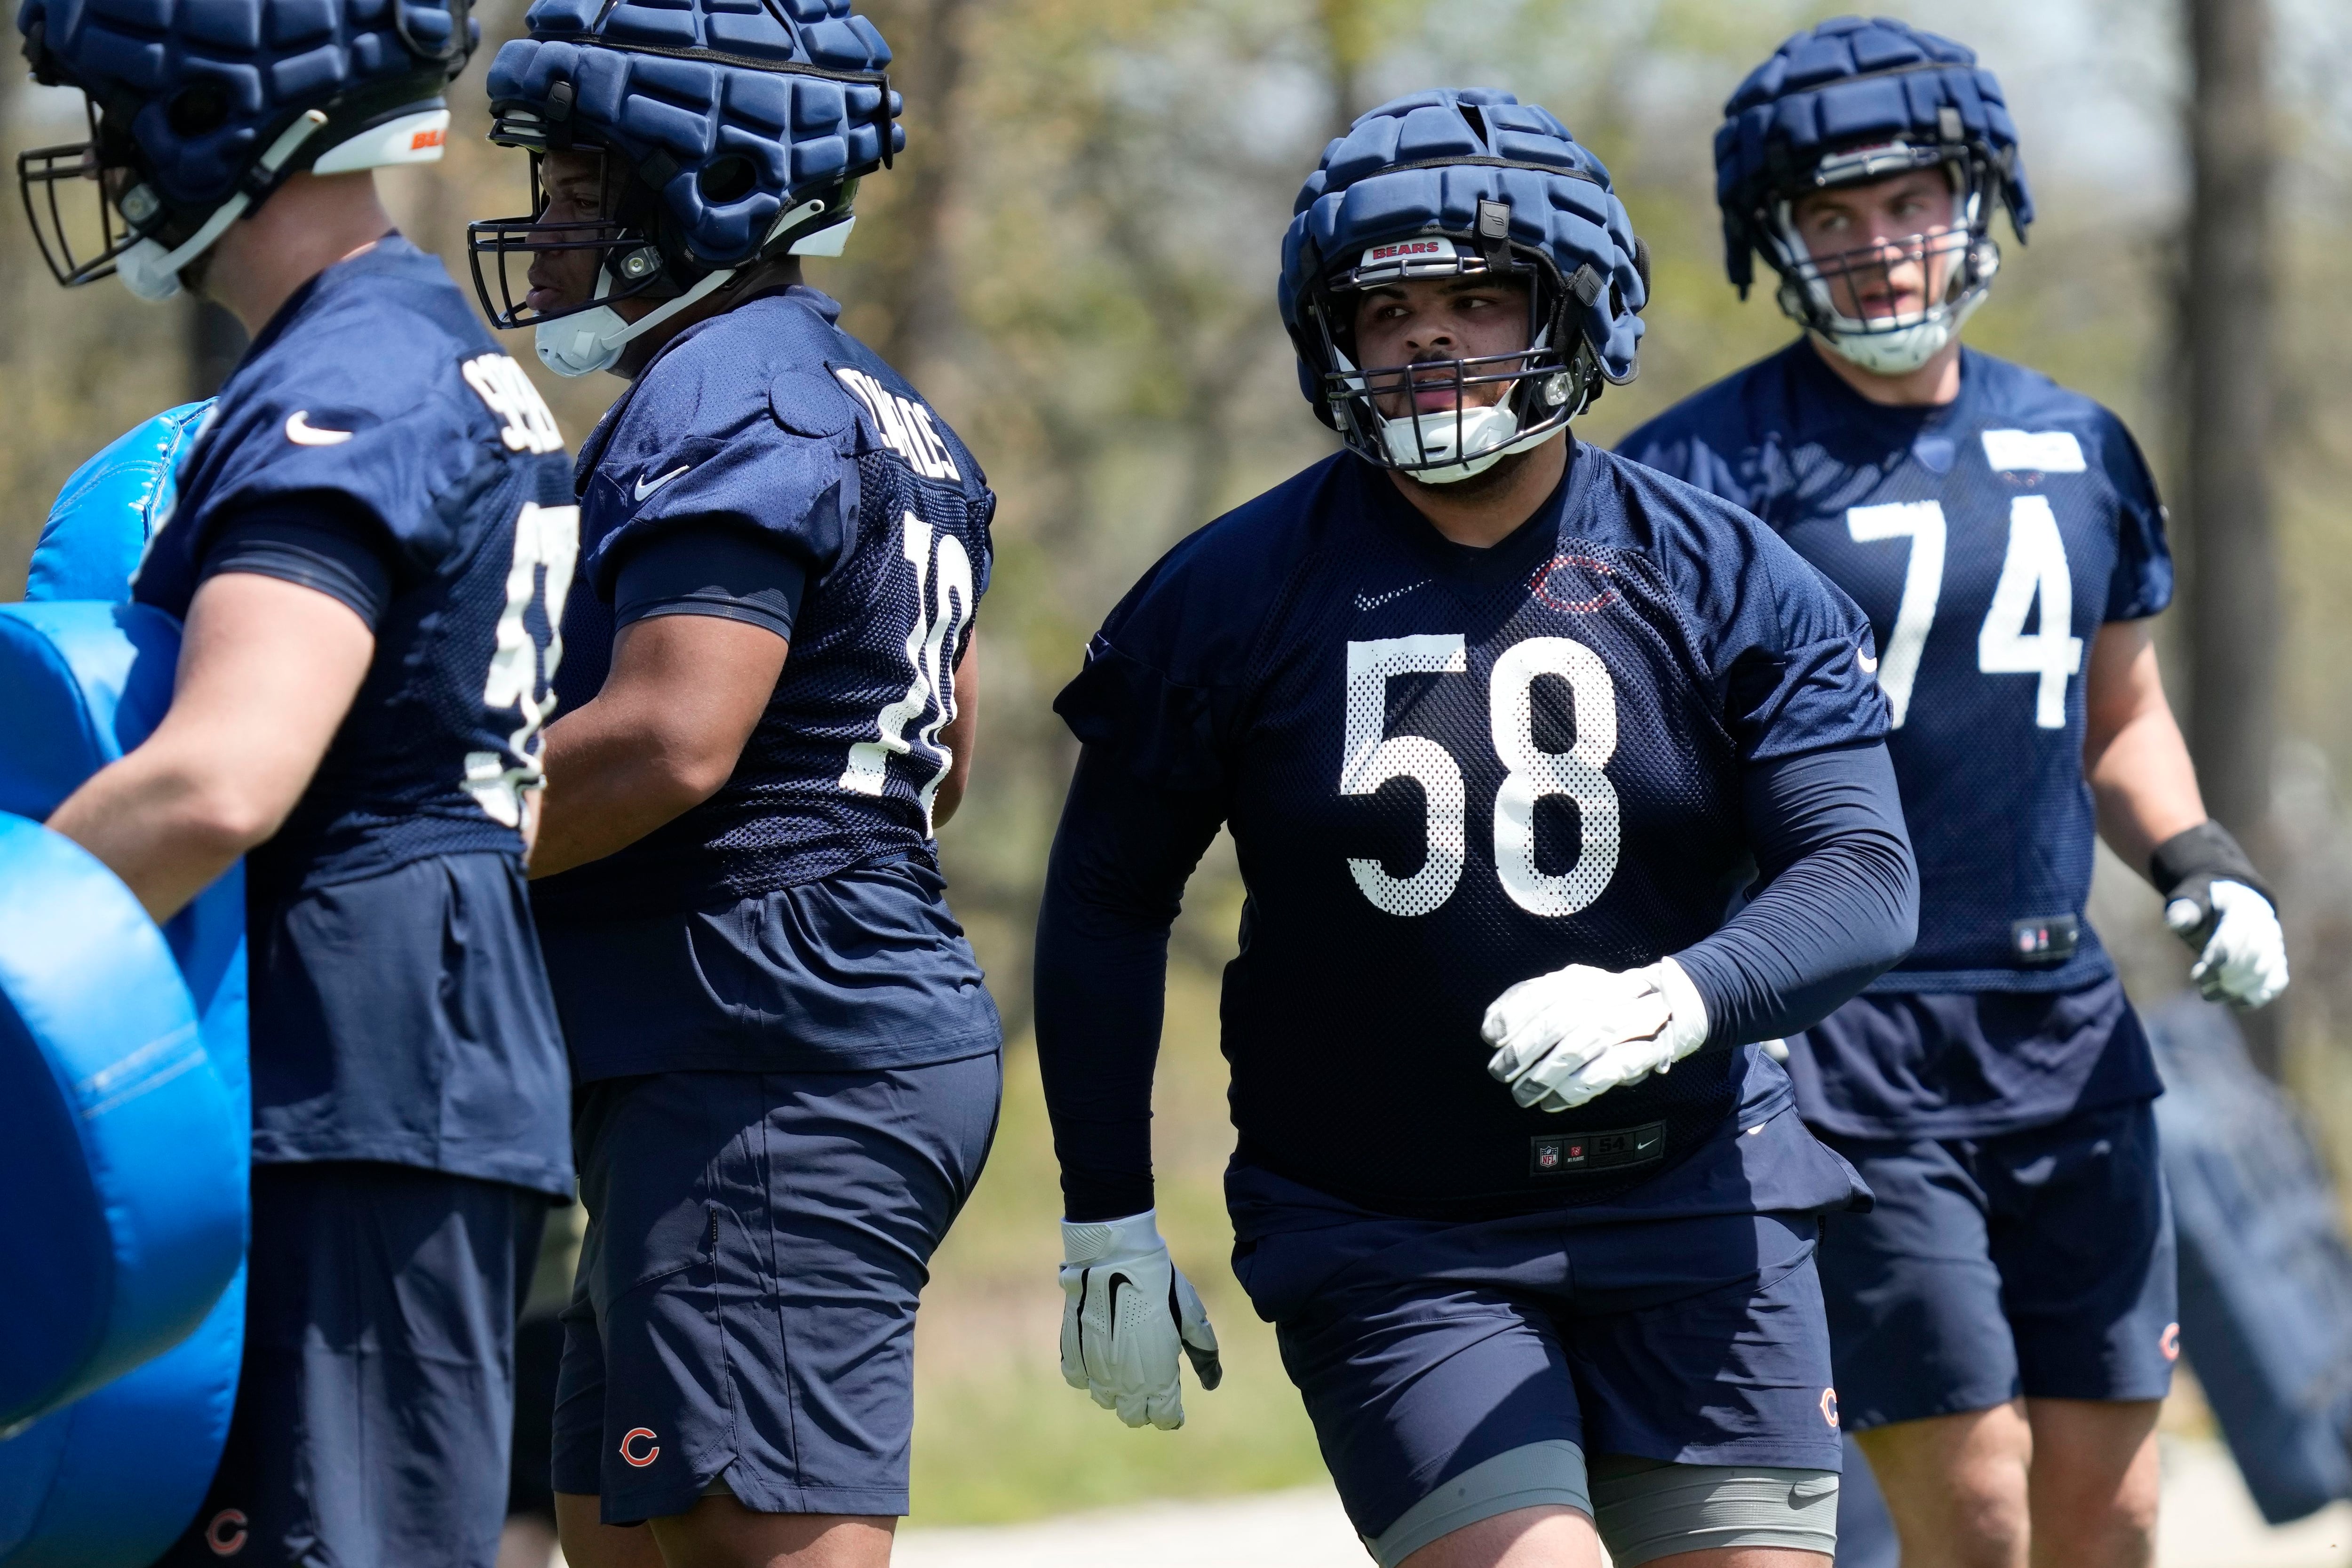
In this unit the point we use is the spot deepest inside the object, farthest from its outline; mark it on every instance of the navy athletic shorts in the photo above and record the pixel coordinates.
(1424, 1347)
(377, 1393)
(2036, 1263)
(757, 1244)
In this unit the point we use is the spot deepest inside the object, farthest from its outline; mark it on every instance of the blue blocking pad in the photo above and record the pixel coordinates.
(111, 1479)
(116, 1138)
(102, 520)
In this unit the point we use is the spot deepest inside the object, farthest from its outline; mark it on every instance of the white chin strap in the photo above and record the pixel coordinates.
(1484, 435)
(590, 340)
(153, 273)
(1903, 349)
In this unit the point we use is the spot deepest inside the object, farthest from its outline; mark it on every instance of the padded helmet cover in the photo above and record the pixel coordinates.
(1847, 83)
(204, 85)
(1421, 165)
(793, 91)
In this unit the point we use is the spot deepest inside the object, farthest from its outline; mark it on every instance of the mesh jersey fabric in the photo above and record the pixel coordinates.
(1448, 771)
(770, 419)
(1957, 530)
(370, 383)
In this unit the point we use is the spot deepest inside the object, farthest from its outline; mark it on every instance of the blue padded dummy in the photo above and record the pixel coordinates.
(2265, 1270)
(101, 519)
(111, 1478)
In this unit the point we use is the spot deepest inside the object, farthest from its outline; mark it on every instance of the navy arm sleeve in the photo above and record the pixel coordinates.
(715, 571)
(323, 541)
(1113, 886)
(1839, 900)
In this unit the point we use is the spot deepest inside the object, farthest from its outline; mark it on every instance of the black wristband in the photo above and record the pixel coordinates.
(2191, 861)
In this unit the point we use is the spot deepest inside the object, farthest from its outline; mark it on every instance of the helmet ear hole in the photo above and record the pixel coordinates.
(198, 109)
(726, 180)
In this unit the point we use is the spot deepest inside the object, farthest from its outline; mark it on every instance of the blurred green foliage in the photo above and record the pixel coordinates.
(1075, 260)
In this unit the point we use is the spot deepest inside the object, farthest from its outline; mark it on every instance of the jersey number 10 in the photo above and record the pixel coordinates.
(1372, 757)
(931, 659)
(2034, 567)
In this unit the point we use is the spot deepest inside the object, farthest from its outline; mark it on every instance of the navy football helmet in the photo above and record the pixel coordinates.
(199, 111)
(1851, 102)
(729, 131)
(1439, 185)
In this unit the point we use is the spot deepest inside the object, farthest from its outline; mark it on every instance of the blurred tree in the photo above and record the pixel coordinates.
(2225, 327)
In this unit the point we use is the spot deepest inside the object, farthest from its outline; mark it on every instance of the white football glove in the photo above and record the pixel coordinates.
(1126, 1310)
(1570, 1037)
(2245, 959)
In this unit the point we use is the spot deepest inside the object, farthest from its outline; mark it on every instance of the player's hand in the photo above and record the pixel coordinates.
(1126, 1311)
(2242, 951)
(1564, 1038)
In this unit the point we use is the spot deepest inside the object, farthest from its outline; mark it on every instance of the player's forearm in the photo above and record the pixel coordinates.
(2138, 765)
(1113, 886)
(164, 823)
(2145, 787)
(1840, 904)
(613, 776)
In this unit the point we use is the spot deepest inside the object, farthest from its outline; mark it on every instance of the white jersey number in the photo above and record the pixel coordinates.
(2035, 568)
(1372, 757)
(929, 661)
(546, 541)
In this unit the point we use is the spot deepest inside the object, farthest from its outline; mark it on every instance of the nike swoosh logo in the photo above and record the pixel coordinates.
(647, 487)
(302, 433)
(1376, 601)
(1868, 662)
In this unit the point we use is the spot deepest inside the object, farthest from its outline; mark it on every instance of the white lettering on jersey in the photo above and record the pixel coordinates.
(931, 665)
(2035, 567)
(1536, 773)
(1371, 757)
(1922, 522)
(508, 393)
(905, 425)
(547, 538)
(2033, 451)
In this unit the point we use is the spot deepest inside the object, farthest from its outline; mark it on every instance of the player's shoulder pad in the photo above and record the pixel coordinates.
(386, 389)
(1718, 437)
(2027, 419)
(1165, 675)
(1724, 565)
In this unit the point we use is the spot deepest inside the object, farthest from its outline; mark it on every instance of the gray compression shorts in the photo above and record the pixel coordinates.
(1643, 1509)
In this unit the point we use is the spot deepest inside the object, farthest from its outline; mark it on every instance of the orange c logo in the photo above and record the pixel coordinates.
(2169, 1342)
(225, 1533)
(653, 1449)
(1829, 1406)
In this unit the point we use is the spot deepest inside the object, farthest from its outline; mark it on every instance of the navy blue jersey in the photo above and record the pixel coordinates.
(400, 1010)
(1448, 770)
(1987, 541)
(376, 392)
(771, 420)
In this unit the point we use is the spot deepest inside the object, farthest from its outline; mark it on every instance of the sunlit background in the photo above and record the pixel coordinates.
(1075, 260)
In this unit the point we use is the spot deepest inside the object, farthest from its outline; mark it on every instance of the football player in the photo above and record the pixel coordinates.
(372, 542)
(2003, 1318)
(788, 1064)
(1501, 725)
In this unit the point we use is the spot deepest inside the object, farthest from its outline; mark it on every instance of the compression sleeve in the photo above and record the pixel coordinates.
(323, 541)
(712, 570)
(1114, 883)
(1839, 896)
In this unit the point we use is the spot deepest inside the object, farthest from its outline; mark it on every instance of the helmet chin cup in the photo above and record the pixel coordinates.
(589, 341)
(148, 270)
(1484, 434)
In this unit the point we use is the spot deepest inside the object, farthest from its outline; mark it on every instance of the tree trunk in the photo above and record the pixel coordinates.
(2225, 324)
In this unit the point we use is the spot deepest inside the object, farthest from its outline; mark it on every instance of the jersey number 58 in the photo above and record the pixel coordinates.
(1372, 757)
